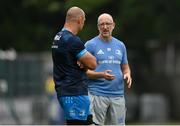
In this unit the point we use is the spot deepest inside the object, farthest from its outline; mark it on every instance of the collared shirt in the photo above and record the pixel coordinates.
(110, 56)
(69, 79)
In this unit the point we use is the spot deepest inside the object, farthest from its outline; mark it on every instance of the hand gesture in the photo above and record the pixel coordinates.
(108, 76)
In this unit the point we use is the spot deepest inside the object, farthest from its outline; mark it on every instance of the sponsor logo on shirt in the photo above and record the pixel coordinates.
(100, 52)
(118, 52)
(54, 46)
(108, 49)
(57, 37)
(109, 62)
(110, 57)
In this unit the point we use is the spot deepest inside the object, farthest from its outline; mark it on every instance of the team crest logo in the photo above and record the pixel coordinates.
(118, 52)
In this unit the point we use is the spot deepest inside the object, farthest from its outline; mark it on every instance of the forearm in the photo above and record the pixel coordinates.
(126, 69)
(94, 75)
(127, 74)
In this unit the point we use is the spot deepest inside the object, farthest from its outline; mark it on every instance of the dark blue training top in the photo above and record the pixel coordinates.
(69, 79)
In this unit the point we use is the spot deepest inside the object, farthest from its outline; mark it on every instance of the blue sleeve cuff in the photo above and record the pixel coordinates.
(79, 55)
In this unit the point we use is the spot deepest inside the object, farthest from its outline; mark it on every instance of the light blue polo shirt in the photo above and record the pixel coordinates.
(110, 56)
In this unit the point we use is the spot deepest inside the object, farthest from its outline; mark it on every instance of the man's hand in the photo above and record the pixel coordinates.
(128, 79)
(108, 76)
(81, 66)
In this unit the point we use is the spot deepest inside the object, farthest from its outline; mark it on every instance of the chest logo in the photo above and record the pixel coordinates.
(100, 52)
(57, 37)
(118, 52)
(109, 49)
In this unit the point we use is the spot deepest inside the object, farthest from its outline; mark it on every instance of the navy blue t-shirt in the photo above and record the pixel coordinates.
(69, 79)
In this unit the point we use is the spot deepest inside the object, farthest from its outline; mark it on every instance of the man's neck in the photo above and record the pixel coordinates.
(71, 28)
(108, 39)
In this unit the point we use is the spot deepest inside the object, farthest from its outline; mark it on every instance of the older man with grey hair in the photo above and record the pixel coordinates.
(106, 82)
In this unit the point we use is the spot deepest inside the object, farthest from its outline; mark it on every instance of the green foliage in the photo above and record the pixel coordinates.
(30, 25)
(87, 5)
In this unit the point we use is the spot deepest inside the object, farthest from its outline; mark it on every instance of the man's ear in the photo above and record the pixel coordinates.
(79, 20)
(114, 25)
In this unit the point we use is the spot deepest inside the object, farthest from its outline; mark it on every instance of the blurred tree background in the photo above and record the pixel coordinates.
(150, 30)
(29, 25)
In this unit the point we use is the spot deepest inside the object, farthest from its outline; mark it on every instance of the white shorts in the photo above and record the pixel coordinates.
(108, 110)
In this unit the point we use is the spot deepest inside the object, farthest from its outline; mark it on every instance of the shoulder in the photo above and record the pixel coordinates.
(118, 42)
(73, 38)
(92, 42)
(68, 36)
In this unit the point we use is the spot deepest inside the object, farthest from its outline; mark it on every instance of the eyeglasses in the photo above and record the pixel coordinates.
(103, 24)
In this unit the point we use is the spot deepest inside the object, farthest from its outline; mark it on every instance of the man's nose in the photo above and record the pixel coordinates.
(105, 26)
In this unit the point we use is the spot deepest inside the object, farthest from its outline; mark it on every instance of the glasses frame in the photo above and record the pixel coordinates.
(108, 24)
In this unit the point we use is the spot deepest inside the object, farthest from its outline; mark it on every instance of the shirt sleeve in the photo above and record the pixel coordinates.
(90, 47)
(124, 57)
(77, 47)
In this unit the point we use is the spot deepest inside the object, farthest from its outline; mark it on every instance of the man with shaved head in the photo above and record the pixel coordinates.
(106, 82)
(68, 52)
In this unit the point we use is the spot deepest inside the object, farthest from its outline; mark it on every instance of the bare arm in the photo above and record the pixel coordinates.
(105, 74)
(127, 74)
(88, 61)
